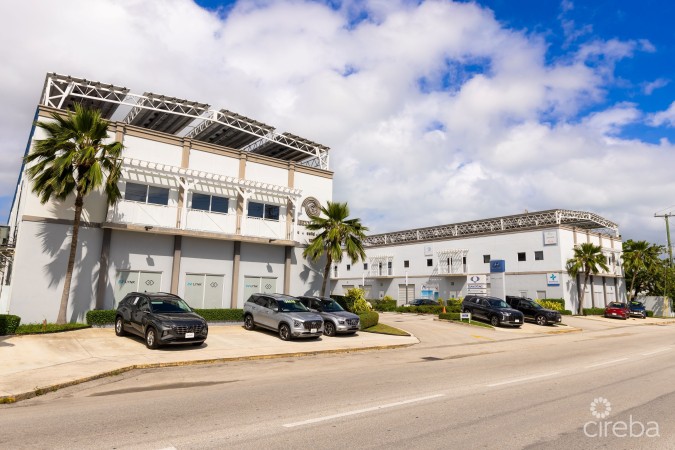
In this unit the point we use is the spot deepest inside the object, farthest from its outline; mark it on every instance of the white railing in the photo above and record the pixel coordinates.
(273, 229)
(209, 221)
(143, 214)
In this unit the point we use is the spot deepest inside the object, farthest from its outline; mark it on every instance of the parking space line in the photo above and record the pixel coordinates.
(360, 411)
(518, 380)
(606, 362)
(653, 352)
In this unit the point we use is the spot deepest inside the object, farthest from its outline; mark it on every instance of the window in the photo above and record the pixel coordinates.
(486, 259)
(539, 255)
(365, 266)
(406, 264)
(211, 203)
(263, 211)
(521, 256)
(389, 265)
(430, 262)
(146, 194)
(349, 267)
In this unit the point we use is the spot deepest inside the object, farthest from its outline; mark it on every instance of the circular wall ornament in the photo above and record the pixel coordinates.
(311, 206)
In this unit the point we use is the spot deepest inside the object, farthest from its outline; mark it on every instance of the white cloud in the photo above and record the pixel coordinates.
(435, 112)
(649, 88)
(663, 118)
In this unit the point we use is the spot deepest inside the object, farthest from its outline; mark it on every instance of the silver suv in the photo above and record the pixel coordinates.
(283, 314)
(335, 319)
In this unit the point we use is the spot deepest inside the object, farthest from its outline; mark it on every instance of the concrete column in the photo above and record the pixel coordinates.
(592, 282)
(240, 198)
(289, 203)
(103, 269)
(287, 270)
(182, 194)
(236, 260)
(175, 268)
(604, 289)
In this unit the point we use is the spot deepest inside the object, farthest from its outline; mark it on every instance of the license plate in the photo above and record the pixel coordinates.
(517, 320)
(313, 330)
(189, 335)
(614, 314)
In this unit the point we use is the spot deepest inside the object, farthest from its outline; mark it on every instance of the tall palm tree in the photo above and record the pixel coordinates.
(74, 158)
(336, 232)
(588, 259)
(639, 258)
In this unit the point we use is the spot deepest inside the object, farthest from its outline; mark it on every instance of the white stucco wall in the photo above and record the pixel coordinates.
(214, 163)
(150, 150)
(266, 174)
(209, 257)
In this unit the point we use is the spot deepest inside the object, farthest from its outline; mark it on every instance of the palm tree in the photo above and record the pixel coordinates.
(74, 159)
(639, 258)
(336, 232)
(587, 259)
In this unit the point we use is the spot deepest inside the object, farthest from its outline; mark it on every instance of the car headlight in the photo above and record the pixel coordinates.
(506, 314)
(341, 321)
(297, 323)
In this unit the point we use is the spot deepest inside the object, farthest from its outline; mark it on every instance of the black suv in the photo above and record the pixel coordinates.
(493, 309)
(160, 319)
(533, 310)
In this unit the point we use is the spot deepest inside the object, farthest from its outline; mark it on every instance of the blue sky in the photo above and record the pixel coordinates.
(441, 112)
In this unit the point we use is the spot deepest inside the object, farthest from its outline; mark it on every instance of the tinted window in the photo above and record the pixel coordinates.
(539, 255)
(497, 303)
(174, 305)
(158, 195)
(219, 204)
(521, 256)
(200, 201)
(135, 192)
(272, 212)
(256, 209)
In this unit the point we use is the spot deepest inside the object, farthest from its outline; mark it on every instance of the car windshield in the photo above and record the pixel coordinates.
(291, 306)
(638, 304)
(174, 305)
(498, 304)
(535, 305)
(330, 306)
(616, 305)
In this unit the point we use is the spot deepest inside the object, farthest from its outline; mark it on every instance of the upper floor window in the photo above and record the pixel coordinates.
(349, 267)
(263, 211)
(521, 256)
(430, 262)
(486, 258)
(539, 255)
(406, 264)
(365, 266)
(143, 193)
(213, 203)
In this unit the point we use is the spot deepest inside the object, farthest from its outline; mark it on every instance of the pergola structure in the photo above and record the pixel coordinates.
(540, 219)
(182, 118)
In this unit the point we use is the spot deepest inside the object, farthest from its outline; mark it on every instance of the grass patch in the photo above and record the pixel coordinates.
(38, 328)
(474, 323)
(381, 328)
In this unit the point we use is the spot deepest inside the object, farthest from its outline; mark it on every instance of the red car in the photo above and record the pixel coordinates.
(617, 309)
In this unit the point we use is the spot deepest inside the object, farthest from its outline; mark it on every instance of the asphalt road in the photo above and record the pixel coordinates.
(461, 387)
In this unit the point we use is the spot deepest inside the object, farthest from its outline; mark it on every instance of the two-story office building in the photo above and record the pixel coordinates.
(453, 260)
(212, 209)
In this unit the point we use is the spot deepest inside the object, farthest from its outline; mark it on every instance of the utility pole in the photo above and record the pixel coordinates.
(670, 256)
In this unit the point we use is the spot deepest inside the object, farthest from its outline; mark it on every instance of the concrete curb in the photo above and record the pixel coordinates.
(488, 327)
(55, 387)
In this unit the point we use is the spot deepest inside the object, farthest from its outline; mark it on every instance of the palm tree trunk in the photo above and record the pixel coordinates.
(583, 293)
(63, 308)
(632, 286)
(326, 273)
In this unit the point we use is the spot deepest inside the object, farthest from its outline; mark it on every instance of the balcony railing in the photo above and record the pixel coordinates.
(128, 212)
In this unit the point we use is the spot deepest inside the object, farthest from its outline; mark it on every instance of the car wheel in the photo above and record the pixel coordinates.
(248, 322)
(329, 328)
(541, 320)
(284, 332)
(119, 326)
(151, 340)
(494, 321)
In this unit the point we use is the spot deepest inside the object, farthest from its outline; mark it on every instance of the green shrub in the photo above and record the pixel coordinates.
(369, 319)
(100, 317)
(39, 328)
(566, 312)
(650, 313)
(358, 301)
(552, 304)
(221, 315)
(594, 311)
(449, 316)
(9, 323)
(384, 304)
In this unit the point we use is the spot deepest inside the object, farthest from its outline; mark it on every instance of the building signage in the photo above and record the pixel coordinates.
(476, 284)
(550, 238)
(552, 279)
(497, 266)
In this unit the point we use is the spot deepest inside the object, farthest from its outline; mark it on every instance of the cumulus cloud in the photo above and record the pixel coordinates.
(663, 118)
(435, 112)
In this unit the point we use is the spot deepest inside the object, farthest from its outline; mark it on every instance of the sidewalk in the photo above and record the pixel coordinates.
(34, 364)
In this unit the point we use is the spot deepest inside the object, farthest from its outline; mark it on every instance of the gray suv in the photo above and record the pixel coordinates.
(283, 314)
(335, 318)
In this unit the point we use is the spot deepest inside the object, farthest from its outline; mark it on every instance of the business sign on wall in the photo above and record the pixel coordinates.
(552, 279)
(550, 238)
(476, 284)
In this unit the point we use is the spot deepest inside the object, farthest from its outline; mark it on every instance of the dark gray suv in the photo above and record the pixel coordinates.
(282, 313)
(493, 309)
(335, 319)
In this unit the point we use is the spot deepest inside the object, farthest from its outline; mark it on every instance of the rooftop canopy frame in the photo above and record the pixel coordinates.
(153, 111)
(540, 219)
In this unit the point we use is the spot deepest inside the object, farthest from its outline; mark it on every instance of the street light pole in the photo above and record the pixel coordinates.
(670, 257)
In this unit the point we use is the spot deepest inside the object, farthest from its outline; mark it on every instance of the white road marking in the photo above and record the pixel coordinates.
(606, 362)
(360, 411)
(518, 380)
(656, 351)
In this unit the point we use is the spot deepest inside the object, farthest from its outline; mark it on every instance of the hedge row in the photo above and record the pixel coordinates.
(8, 324)
(566, 312)
(449, 316)
(369, 319)
(594, 311)
(107, 316)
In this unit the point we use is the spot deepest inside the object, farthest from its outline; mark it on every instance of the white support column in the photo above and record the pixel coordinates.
(187, 186)
(245, 194)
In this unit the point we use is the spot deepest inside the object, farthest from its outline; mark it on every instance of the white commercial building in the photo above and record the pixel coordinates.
(212, 209)
(451, 261)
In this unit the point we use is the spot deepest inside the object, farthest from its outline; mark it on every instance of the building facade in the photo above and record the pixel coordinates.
(212, 209)
(451, 261)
